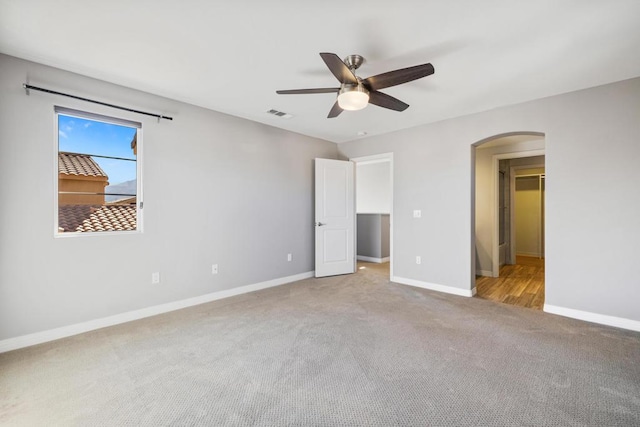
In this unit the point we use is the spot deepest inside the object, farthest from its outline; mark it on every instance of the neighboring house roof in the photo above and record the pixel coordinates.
(78, 164)
(126, 201)
(86, 218)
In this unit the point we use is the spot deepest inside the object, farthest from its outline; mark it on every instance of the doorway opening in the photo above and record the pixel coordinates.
(508, 207)
(374, 213)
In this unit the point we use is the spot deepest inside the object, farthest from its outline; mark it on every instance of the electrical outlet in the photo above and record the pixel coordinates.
(418, 259)
(214, 269)
(417, 213)
(289, 257)
(155, 278)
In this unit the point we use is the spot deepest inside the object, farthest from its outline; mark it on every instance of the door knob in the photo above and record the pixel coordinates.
(320, 224)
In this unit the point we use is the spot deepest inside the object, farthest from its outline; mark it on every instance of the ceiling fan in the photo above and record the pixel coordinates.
(355, 93)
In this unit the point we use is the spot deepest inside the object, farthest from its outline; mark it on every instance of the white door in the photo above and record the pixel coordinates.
(335, 218)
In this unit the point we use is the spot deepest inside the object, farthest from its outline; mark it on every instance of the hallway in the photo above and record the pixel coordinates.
(521, 284)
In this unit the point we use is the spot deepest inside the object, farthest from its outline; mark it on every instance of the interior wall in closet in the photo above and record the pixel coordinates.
(529, 212)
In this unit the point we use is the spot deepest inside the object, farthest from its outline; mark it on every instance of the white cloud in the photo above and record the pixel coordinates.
(62, 134)
(86, 125)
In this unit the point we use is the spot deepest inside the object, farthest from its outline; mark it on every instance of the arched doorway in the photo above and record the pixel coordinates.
(508, 259)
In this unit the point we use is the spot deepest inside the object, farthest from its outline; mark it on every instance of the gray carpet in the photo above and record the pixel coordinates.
(342, 351)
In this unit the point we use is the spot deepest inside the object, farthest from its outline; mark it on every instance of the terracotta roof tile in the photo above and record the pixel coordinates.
(87, 218)
(78, 164)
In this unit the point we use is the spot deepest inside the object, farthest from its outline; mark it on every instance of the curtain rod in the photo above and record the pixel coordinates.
(28, 87)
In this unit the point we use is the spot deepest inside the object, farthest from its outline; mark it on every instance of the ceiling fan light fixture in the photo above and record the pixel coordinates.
(352, 97)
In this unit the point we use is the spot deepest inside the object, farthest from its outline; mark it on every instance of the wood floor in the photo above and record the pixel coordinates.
(520, 284)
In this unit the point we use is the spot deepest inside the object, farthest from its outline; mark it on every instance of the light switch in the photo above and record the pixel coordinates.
(417, 213)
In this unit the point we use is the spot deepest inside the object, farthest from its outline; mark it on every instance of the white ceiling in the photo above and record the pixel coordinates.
(231, 56)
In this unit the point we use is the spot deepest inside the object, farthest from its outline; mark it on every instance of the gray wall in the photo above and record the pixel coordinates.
(217, 189)
(592, 227)
(373, 235)
(369, 235)
(385, 231)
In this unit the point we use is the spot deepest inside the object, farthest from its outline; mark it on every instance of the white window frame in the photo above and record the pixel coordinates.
(139, 150)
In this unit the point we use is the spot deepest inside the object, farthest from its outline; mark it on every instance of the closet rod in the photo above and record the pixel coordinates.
(28, 87)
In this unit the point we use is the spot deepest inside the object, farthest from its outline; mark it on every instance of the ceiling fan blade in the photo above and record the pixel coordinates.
(335, 111)
(306, 91)
(338, 68)
(396, 77)
(385, 101)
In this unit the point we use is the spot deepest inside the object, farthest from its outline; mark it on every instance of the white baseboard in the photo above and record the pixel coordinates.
(529, 254)
(372, 259)
(618, 322)
(486, 273)
(79, 328)
(435, 287)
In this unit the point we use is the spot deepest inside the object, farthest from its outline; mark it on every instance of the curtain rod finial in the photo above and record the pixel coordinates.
(26, 88)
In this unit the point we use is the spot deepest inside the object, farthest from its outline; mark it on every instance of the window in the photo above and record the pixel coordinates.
(98, 174)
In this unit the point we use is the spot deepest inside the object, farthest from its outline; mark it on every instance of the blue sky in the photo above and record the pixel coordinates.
(91, 137)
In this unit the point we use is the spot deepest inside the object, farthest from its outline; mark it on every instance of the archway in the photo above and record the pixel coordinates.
(496, 161)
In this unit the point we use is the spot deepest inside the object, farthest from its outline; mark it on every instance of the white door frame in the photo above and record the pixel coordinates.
(379, 158)
(495, 241)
